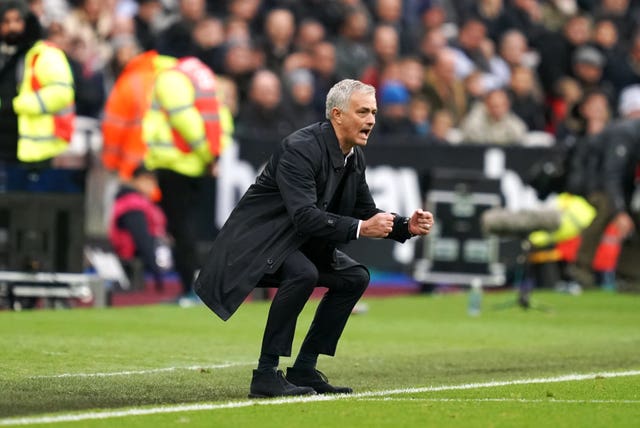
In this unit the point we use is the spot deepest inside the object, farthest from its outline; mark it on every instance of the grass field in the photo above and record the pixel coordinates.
(413, 361)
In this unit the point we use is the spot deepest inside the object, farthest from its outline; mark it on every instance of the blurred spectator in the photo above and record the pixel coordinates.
(419, 113)
(442, 88)
(556, 12)
(385, 49)
(353, 52)
(556, 50)
(265, 117)
(324, 74)
(493, 122)
(137, 227)
(493, 15)
(208, 38)
(588, 66)
(411, 73)
(279, 29)
(526, 100)
(89, 82)
(621, 13)
(393, 114)
(566, 94)
(90, 24)
(514, 49)
(177, 39)
(624, 70)
(441, 127)
(526, 15)
(467, 45)
(125, 48)
(300, 89)
(145, 22)
(389, 12)
(310, 32)
(431, 43)
(240, 62)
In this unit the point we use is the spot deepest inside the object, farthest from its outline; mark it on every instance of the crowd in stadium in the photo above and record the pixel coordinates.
(542, 63)
(445, 72)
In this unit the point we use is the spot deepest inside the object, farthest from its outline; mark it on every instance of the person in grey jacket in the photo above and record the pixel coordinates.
(285, 231)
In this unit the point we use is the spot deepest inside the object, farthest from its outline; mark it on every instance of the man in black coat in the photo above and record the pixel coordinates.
(311, 197)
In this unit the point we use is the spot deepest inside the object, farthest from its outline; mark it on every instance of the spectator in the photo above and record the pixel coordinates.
(556, 50)
(300, 90)
(145, 23)
(419, 112)
(265, 118)
(324, 73)
(385, 49)
(526, 100)
(393, 117)
(389, 12)
(177, 39)
(493, 15)
(208, 38)
(91, 23)
(588, 66)
(137, 227)
(431, 43)
(353, 53)
(442, 127)
(310, 32)
(443, 89)
(493, 122)
(279, 29)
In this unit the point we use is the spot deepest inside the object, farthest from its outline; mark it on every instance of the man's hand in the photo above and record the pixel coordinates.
(378, 226)
(420, 222)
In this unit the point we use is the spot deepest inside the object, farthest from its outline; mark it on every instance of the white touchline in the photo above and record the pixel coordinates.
(108, 414)
(501, 400)
(148, 371)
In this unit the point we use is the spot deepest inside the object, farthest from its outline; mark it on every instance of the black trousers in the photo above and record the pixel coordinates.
(295, 280)
(179, 203)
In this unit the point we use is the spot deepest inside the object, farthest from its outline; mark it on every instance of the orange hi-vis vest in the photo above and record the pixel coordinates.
(45, 104)
(206, 102)
(123, 146)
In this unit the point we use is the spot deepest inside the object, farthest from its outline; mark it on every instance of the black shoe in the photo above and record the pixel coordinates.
(316, 380)
(271, 383)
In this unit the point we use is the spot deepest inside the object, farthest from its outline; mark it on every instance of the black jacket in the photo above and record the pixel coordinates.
(285, 208)
(620, 160)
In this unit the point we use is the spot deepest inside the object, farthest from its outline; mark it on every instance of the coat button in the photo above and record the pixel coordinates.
(324, 205)
(269, 262)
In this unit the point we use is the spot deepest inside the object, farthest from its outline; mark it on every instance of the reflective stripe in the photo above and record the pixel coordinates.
(176, 110)
(42, 106)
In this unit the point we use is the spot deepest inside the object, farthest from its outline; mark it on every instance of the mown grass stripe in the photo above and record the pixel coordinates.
(238, 404)
(142, 372)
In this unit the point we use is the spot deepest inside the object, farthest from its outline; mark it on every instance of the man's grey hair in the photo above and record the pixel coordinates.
(340, 94)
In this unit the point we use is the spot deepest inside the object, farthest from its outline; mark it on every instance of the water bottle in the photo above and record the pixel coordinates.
(475, 298)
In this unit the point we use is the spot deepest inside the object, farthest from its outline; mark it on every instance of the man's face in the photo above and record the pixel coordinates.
(12, 27)
(354, 125)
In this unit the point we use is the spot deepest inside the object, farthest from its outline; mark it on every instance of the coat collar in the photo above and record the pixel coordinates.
(331, 141)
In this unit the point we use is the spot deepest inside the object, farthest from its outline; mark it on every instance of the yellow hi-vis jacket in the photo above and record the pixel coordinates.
(186, 126)
(576, 215)
(45, 104)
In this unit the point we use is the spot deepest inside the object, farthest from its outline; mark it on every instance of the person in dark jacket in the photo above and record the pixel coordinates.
(137, 228)
(311, 197)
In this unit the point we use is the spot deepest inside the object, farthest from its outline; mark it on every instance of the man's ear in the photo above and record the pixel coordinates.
(336, 113)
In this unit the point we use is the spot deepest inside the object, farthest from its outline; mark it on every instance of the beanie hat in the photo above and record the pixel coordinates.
(393, 92)
(629, 100)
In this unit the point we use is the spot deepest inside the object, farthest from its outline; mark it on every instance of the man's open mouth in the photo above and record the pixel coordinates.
(365, 132)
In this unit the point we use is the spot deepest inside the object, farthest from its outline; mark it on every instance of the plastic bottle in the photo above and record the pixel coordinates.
(475, 298)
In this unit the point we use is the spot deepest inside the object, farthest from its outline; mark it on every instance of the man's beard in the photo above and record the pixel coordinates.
(13, 38)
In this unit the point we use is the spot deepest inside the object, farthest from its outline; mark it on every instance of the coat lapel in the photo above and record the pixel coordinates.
(336, 160)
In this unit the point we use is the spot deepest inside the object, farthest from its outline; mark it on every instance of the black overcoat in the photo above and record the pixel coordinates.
(285, 207)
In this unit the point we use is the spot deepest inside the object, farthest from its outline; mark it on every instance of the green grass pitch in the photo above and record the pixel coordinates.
(413, 361)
